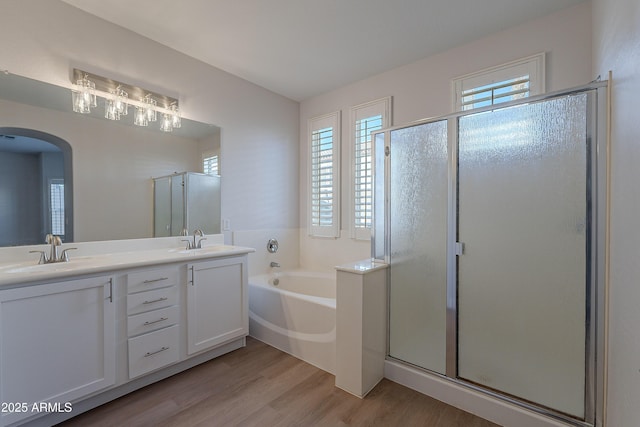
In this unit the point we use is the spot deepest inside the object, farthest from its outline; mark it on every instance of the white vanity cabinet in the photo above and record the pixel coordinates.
(74, 336)
(152, 319)
(217, 302)
(57, 344)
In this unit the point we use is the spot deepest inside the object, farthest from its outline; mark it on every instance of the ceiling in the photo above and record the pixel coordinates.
(302, 48)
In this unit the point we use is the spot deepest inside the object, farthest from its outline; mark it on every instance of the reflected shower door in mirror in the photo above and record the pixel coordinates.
(186, 201)
(113, 163)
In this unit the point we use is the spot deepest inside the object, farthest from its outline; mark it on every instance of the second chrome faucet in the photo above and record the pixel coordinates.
(195, 244)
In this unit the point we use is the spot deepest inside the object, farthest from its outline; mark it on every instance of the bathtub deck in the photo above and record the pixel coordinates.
(262, 386)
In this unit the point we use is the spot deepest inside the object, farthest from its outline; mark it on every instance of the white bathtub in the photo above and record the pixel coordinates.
(298, 315)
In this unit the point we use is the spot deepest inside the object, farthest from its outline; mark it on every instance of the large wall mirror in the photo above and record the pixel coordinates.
(82, 176)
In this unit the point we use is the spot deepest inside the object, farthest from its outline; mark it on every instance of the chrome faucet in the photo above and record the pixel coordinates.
(274, 264)
(195, 244)
(55, 242)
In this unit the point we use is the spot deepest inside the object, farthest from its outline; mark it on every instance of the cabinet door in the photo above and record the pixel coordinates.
(216, 303)
(57, 343)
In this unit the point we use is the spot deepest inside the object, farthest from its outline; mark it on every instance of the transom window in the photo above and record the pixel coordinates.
(504, 91)
(507, 82)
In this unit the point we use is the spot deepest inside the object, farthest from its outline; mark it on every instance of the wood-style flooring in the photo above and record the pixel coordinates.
(261, 386)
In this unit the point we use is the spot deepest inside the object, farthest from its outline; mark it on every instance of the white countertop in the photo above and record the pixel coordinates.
(362, 267)
(24, 272)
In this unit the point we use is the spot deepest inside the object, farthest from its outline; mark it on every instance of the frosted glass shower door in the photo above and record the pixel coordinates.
(523, 220)
(418, 198)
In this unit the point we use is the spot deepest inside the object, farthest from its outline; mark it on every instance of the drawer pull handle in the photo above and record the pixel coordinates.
(162, 319)
(156, 280)
(156, 300)
(156, 352)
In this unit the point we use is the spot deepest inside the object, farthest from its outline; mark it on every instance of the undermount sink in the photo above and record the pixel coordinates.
(55, 266)
(182, 251)
(41, 267)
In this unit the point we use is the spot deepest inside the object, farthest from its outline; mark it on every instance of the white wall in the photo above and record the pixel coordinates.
(616, 47)
(423, 89)
(44, 39)
(260, 260)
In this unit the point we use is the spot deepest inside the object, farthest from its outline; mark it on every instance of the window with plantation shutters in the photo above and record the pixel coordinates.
(365, 118)
(324, 172)
(210, 165)
(56, 206)
(507, 82)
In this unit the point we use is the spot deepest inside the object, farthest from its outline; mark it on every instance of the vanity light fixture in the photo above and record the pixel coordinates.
(119, 96)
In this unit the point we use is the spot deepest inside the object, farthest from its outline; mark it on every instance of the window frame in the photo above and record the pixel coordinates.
(208, 155)
(383, 107)
(330, 120)
(56, 217)
(533, 65)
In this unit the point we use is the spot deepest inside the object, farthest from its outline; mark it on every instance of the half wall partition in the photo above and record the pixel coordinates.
(493, 226)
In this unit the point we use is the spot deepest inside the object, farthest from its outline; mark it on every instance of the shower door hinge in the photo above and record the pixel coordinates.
(459, 248)
(387, 150)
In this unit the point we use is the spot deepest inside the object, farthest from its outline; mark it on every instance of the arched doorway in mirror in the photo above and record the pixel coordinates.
(36, 187)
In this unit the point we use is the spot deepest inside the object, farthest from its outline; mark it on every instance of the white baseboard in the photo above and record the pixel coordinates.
(484, 406)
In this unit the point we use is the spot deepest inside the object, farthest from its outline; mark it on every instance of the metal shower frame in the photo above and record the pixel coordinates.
(596, 220)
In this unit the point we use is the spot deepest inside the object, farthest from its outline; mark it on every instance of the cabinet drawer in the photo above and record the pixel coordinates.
(151, 300)
(152, 320)
(151, 279)
(151, 351)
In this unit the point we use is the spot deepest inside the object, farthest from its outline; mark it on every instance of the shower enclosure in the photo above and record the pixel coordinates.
(186, 201)
(492, 221)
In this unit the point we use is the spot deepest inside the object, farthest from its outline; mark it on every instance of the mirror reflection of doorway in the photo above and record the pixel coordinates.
(35, 187)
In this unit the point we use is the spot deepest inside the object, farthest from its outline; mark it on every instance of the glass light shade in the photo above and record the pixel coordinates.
(167, 123)
(150, 111)
(110, 110)
(140, 118)
(84, 97)
(79, 106)
(176, 122)
(121, 101)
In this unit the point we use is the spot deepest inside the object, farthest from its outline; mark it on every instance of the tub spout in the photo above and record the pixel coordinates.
(275, 264)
